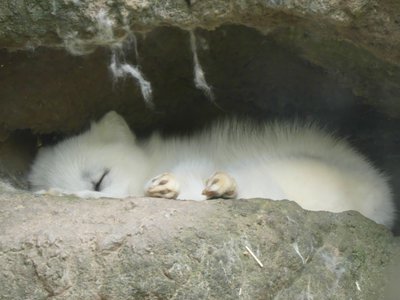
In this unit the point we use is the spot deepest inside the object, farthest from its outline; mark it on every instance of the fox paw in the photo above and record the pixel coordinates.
(163, 186)
(220, 185)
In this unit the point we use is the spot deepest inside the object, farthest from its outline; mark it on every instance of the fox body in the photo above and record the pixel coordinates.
(230, 159)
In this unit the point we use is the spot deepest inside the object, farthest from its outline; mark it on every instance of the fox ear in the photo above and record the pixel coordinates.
(112, 128)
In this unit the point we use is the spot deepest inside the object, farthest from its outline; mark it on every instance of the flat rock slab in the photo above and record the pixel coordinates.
(143, 248)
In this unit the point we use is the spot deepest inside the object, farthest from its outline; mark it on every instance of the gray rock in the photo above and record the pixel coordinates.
(68, 248)
(57, 22)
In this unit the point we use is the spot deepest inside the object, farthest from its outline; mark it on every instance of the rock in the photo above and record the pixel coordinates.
(83, 23)
(68, 248)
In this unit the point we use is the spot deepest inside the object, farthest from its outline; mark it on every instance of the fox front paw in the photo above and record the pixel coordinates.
(220, 185)
(163, 186)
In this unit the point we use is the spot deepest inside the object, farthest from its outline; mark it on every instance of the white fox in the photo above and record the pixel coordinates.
(230, 159)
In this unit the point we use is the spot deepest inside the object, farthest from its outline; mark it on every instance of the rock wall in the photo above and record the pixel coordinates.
(364, 22)
(66, 248)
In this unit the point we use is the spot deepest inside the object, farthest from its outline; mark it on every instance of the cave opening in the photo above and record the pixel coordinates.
(48, 94)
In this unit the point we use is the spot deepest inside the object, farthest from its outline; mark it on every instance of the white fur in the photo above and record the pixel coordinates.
(276, 161)
(199, 76)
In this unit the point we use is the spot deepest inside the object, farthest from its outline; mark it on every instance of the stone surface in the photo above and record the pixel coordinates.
(61, 22)
(67, 248)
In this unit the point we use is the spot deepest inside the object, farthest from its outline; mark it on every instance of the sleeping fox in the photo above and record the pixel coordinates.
(229, 159)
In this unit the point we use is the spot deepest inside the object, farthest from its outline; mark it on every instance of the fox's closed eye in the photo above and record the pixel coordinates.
(97, 184)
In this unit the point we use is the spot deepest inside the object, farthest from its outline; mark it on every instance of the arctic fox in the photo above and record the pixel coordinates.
(230, 159)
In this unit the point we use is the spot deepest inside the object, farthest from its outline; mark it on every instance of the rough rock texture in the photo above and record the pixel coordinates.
(365, 22)
(67, 248)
